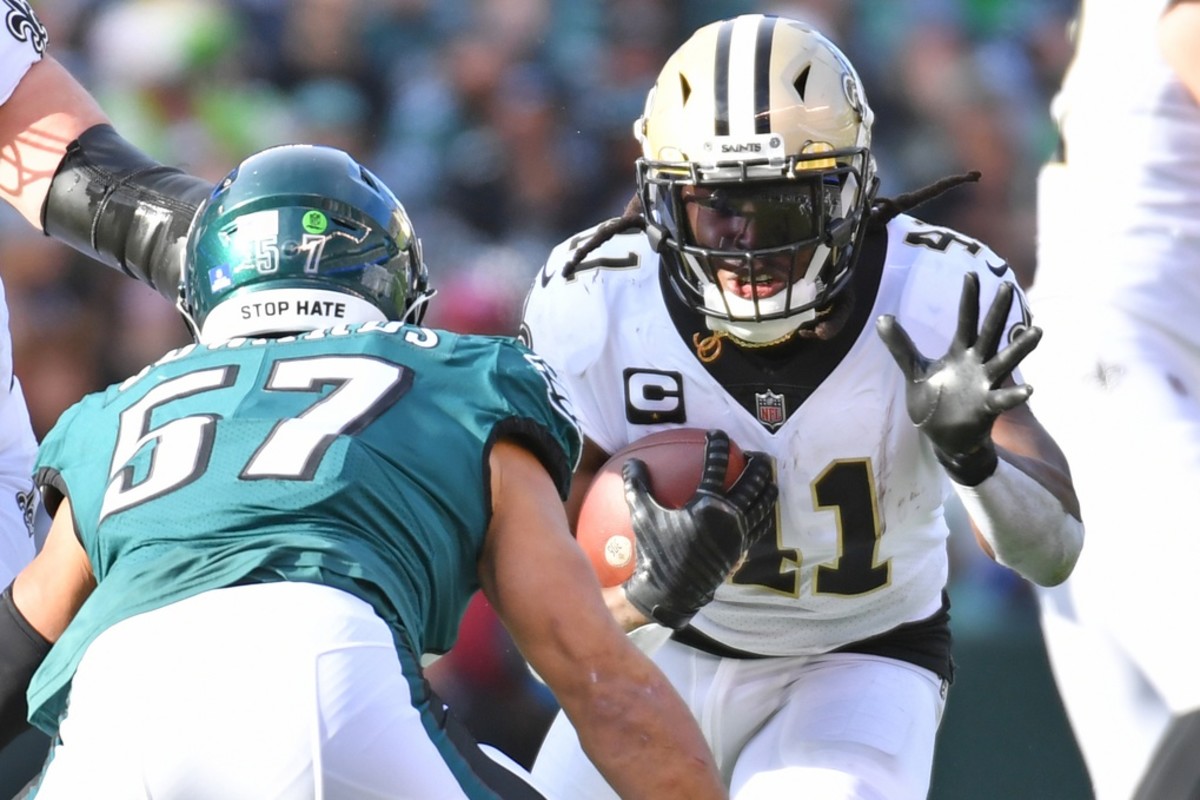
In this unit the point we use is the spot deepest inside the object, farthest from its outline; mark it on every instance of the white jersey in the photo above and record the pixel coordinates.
(22, 42)
(1117, 380)
(1117, 219)
(860, 547)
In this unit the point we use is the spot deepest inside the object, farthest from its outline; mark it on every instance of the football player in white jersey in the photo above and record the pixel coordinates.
(67, 172)
(34, 115)
(756, 285)
(1118, 284)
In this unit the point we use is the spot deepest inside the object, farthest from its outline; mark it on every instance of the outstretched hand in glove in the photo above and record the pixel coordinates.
(955, 400)
(684, 554)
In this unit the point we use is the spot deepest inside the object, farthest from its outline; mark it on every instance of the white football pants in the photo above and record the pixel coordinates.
(281, 690)
(840, 725)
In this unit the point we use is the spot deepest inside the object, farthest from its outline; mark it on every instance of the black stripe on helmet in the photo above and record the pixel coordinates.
(763, 38)
(721, 79)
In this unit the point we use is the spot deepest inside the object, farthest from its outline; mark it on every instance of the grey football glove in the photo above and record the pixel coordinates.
(955, 399)
(684, 554)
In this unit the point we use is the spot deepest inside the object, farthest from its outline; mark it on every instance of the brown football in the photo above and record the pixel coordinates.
(674, 460)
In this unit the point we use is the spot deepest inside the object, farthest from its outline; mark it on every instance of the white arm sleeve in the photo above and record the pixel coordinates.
(1026, 526)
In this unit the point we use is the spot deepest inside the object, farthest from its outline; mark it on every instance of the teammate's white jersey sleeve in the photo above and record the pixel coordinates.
(568, 323)
(860, 541)
(22, 43)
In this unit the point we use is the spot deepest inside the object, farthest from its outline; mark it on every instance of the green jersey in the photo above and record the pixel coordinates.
(353, 457)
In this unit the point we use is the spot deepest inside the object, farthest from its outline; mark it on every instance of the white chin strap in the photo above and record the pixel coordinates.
(284, 311)
(742, 325)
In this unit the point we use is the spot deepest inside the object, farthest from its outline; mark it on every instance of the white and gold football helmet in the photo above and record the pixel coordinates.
(757, 174)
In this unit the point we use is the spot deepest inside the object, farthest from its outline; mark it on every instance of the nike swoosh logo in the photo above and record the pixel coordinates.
(998, 269)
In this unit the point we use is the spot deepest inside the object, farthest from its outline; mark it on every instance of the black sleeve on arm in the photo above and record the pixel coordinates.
(111, 201)
(22, 650)
(536, 439)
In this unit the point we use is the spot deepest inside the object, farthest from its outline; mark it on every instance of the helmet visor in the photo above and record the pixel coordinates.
(745, 217)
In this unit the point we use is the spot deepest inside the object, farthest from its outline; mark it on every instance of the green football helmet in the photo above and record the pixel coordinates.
(297, 238)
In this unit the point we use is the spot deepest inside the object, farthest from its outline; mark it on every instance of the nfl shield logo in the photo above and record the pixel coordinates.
(769, 406)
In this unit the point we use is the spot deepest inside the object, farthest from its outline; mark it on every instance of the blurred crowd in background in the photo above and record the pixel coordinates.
(505, 126)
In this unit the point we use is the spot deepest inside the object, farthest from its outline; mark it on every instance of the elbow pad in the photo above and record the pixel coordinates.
(22, 650)
(114, 203)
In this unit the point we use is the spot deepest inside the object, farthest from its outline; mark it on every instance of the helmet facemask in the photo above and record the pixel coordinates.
(759, 258)
(756, 175)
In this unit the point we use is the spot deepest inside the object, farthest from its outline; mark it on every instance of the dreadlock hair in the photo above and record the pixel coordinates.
(634, 216)
(883, 211)
(830, 319)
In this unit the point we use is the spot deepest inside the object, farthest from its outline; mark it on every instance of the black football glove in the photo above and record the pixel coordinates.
(955, 400)
(684, 554)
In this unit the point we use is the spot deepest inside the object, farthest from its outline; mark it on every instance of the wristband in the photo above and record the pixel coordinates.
(971, 469)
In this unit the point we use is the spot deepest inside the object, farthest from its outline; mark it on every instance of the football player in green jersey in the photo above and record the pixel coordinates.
(256, 538)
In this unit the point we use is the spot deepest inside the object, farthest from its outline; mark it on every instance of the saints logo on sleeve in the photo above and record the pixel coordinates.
(22, 44)
(24, 26)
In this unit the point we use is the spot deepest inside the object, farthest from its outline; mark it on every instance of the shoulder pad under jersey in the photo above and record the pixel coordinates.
(567, 312)
(936, 259)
